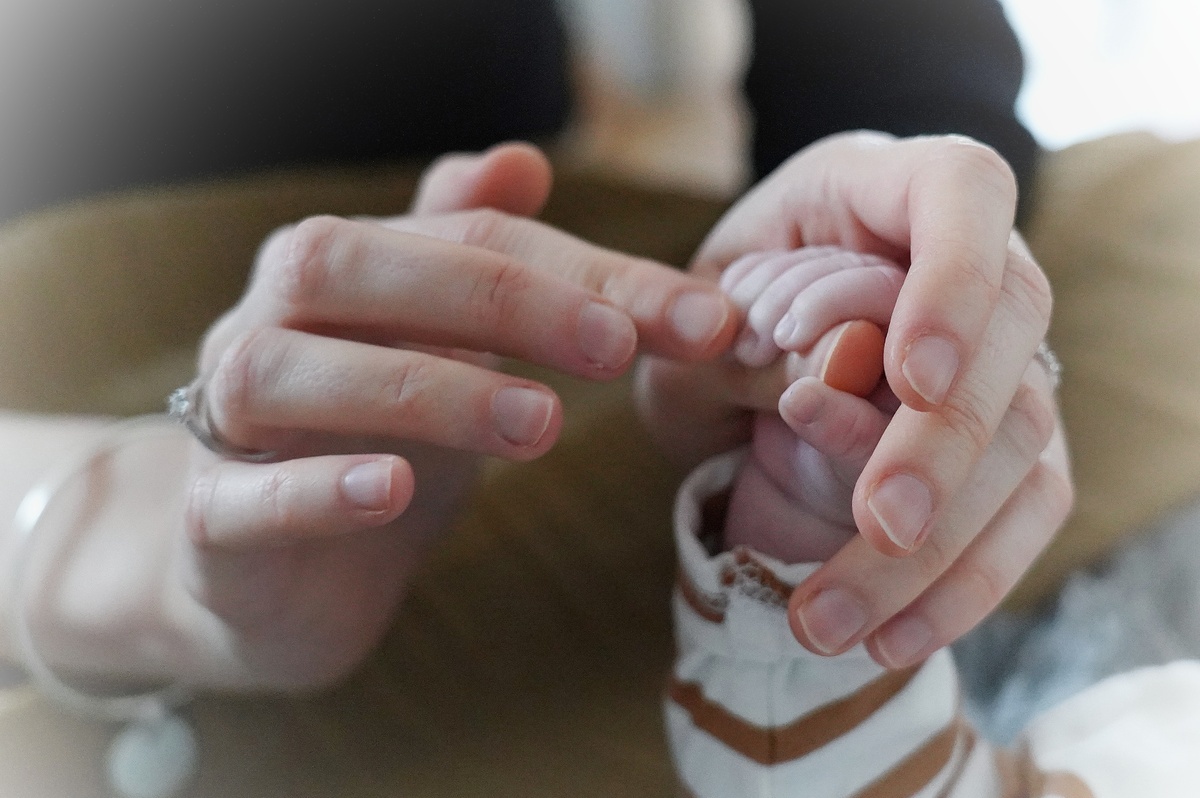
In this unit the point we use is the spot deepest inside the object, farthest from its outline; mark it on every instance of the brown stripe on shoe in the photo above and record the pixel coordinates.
(969, 740)
(775, 745)
(920, 767)
(703, 605)
(1022, 778)
(1063, 785)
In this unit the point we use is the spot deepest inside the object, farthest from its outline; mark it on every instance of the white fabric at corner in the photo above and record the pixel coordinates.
(1136, 735)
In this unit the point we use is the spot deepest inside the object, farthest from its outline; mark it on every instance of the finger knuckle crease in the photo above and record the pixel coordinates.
(861, 436)
(985, 583)
(244, 370)
(975, 265)
(497, 290)
(1034, 422)
(613, 283)
(277, 494)
(408, 384)
(1031, 294)
(1058, 489)
(306, 270)
(934, 558)
(487, 227)
(966, 419)
(195, 512)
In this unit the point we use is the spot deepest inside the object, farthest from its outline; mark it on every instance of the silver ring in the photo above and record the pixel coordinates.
(1050, 362)
(186, 405)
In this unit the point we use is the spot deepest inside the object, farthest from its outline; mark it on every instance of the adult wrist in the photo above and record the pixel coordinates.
(154, 756)
(88, 550)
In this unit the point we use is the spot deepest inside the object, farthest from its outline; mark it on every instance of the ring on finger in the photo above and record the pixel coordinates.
(187, 406)
(1050, 362)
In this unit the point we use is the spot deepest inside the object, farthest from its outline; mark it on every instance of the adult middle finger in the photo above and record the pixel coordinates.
(364, 281)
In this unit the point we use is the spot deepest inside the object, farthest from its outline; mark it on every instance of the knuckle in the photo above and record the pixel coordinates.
(305, 270)
(196, 508)
(887, 277)
(976, 162)
(1030, 292)
(496, 293)
(487, 227)
(966, 419)
(1058, 490)
(639, 285)
(245, 370)
(983, 586)
(613, 283)
(408, 384)
(277, 493)
(861, 436)
(934, 558)
(974, 264)
(1032, 422)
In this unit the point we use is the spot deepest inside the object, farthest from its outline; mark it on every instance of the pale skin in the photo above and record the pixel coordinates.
(285, 574)
(792, 498)
(970, 480)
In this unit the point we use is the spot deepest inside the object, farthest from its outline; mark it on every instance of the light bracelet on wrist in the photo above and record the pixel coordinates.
(154, 756)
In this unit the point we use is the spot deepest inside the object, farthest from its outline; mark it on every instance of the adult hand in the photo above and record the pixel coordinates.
(971, 478)
(361, 353)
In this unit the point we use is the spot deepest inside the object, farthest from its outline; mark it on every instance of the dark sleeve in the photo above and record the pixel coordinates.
(902, 66)
(158, 92)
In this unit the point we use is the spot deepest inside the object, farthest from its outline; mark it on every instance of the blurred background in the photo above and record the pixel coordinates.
(663, 72)
(657, 80)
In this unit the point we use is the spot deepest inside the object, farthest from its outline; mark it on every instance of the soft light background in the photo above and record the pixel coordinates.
(664, 107)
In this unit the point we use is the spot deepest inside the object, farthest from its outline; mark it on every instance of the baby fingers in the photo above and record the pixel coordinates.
(792, 298)
(842, 427)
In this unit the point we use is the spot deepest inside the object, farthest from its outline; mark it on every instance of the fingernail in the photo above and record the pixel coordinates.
(904, 642)
(785, 331)
(368, 486)
(800, 404)
(606, 335)
(521, 415)
(930, 366)
(831, 619)
(902, 506)
(698, 317)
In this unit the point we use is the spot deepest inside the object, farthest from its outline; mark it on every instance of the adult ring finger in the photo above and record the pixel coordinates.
(187, 406)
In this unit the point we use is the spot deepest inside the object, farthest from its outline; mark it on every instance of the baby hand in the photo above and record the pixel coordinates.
(792, 498)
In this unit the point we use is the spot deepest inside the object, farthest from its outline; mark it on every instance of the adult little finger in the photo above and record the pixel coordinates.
(236, 505)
